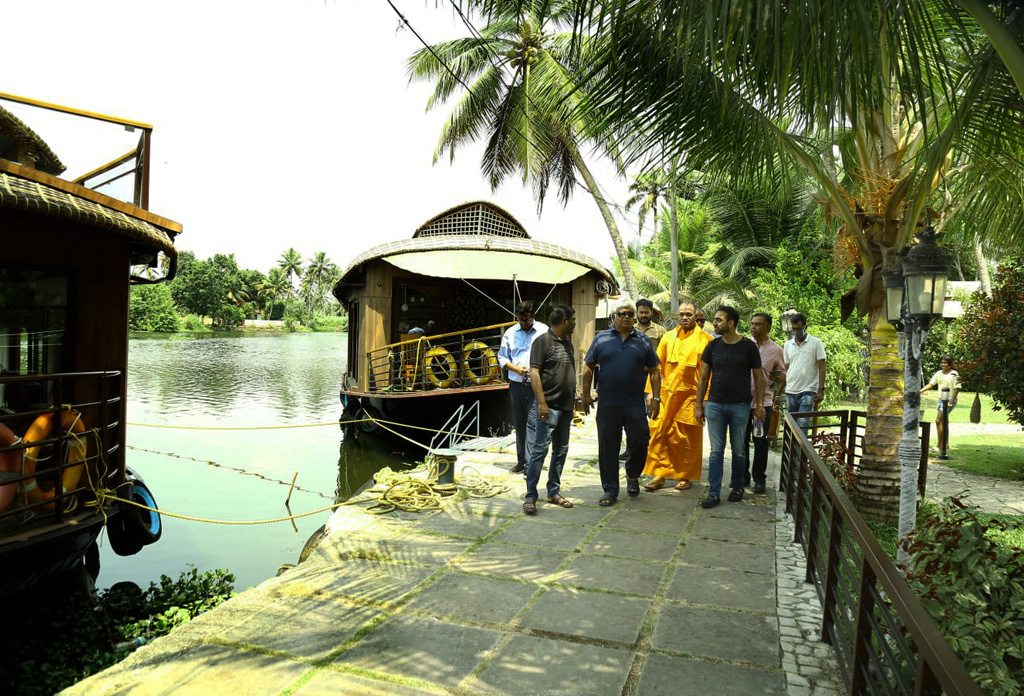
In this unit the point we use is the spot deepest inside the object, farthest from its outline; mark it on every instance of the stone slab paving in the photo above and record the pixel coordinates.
(654, 595)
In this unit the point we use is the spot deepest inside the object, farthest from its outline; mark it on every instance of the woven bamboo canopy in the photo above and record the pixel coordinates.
(477, 240)
(19, 143)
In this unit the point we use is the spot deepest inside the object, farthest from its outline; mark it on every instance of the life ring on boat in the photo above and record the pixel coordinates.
(10, 465)
(479, 364)
(439, 366)
(40, 430)
(132, 528)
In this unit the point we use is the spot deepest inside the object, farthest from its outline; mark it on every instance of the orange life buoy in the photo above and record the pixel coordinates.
(10, 465)
(77, 447)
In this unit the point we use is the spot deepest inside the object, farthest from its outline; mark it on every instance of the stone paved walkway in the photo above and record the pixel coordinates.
(994, 495)
(652, 596)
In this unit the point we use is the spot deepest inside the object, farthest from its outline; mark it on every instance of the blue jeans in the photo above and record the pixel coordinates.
(719, 417)
(553, 432)
(801, 403)
(523, 398)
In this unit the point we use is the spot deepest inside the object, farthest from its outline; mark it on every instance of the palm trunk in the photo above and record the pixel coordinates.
(982, 263)
(878, 481)
(609, 221)
(673, 206)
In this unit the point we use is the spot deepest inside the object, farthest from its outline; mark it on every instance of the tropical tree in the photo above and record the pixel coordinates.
(291, 263)
(912, 95)
(515, 77)
(276, 287)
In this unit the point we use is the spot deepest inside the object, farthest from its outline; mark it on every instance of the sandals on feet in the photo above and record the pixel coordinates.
(606, 501)
(654, 484)
(530, 507)
(684, 485)
(632, 487)
(559, 501)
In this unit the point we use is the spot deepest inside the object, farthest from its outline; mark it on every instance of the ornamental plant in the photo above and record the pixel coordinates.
(990, 340)
(974, 590)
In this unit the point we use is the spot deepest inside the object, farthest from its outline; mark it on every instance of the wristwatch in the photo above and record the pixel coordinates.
(656, 398)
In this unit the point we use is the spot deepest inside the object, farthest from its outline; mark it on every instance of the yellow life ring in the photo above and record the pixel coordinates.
(481, 368)
(77, 449)
(439, 366)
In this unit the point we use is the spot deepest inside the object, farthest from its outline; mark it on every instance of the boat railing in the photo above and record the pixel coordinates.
(455, 360)
(47, 472)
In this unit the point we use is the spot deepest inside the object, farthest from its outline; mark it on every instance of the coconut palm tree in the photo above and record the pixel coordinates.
(515, 77)
(291, 263)
(911, 95)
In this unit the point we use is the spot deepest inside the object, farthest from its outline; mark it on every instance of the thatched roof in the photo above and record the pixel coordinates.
(32, 194)
(16, 138)
(477, 226)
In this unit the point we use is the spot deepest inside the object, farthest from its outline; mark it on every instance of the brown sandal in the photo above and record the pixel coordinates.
(684, 485)
(654, 484)
(559, 501)
(530, 507)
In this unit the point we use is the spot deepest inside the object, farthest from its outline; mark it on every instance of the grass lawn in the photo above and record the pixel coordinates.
(1001, 456)
(929, 399)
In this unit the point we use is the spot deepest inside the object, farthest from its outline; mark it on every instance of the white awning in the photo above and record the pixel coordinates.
(488, 264)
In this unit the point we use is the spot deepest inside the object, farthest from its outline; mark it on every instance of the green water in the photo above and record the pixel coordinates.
(241, 381)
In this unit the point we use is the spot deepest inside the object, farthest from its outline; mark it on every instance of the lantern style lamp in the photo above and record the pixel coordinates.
(892, 277)
(786, 320)
(925, 272)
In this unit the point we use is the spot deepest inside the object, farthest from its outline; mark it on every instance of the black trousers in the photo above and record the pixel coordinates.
(760, 458)
(611, 420)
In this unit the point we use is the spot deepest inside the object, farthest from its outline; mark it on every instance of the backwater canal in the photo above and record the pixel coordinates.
(237, 381)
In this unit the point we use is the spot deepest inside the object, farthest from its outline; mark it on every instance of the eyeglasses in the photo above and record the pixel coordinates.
(625, 314)
(700, 321)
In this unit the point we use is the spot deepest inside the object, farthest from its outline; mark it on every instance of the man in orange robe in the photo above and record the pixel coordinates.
(676, 448)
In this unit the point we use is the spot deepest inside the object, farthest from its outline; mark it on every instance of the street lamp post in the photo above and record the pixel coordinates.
(915, 292)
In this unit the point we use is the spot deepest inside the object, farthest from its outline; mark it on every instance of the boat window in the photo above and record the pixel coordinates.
(353, 341)
(33, 320)
(418, 309)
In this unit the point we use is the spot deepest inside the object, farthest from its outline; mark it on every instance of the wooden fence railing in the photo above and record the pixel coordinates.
(884, 640)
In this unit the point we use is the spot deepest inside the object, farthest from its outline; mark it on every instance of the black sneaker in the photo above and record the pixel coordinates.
(518, 469)
(736, 495)
(710, 501)
(759, 487)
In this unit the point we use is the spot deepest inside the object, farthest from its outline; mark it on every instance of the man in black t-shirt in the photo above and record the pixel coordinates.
(733, 361)
(553, 378)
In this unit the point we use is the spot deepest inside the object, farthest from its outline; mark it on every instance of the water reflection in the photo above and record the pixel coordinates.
(242, 381)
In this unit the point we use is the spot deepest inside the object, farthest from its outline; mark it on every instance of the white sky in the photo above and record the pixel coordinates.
(277, 123)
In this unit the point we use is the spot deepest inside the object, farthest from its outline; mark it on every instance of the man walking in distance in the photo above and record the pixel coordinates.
(553, 378)
(775, 374)
(646, 323)
(804, 356)
(514, 354)
(699, 318)
(677, 437)
(733, 361)
(626, 358)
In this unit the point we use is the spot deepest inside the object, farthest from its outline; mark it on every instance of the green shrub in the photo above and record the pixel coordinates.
(973, 587)
(151, 308)
(193, 322)
(62, 642)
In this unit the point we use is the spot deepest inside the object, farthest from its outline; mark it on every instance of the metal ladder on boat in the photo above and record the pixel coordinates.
(455, 438)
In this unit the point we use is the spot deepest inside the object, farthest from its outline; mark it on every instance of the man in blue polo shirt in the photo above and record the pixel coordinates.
(514, 355)
(626, 359)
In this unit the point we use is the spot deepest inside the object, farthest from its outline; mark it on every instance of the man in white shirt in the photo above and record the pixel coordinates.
(514, 355)
(804, 356)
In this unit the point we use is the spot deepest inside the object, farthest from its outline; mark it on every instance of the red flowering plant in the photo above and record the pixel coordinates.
(992, 340)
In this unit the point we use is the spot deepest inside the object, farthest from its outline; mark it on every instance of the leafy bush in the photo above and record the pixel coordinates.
(151, 308)
(193, 322)
(836, 455)
(989, 339)
(973, 587)
(59, 643)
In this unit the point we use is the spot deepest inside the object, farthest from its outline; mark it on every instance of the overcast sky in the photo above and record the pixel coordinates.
(277, 123)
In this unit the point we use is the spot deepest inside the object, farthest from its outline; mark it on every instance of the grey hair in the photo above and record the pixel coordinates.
(628, 304)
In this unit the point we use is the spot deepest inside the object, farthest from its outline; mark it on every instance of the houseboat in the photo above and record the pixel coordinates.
(426, 317)
(68, 256)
